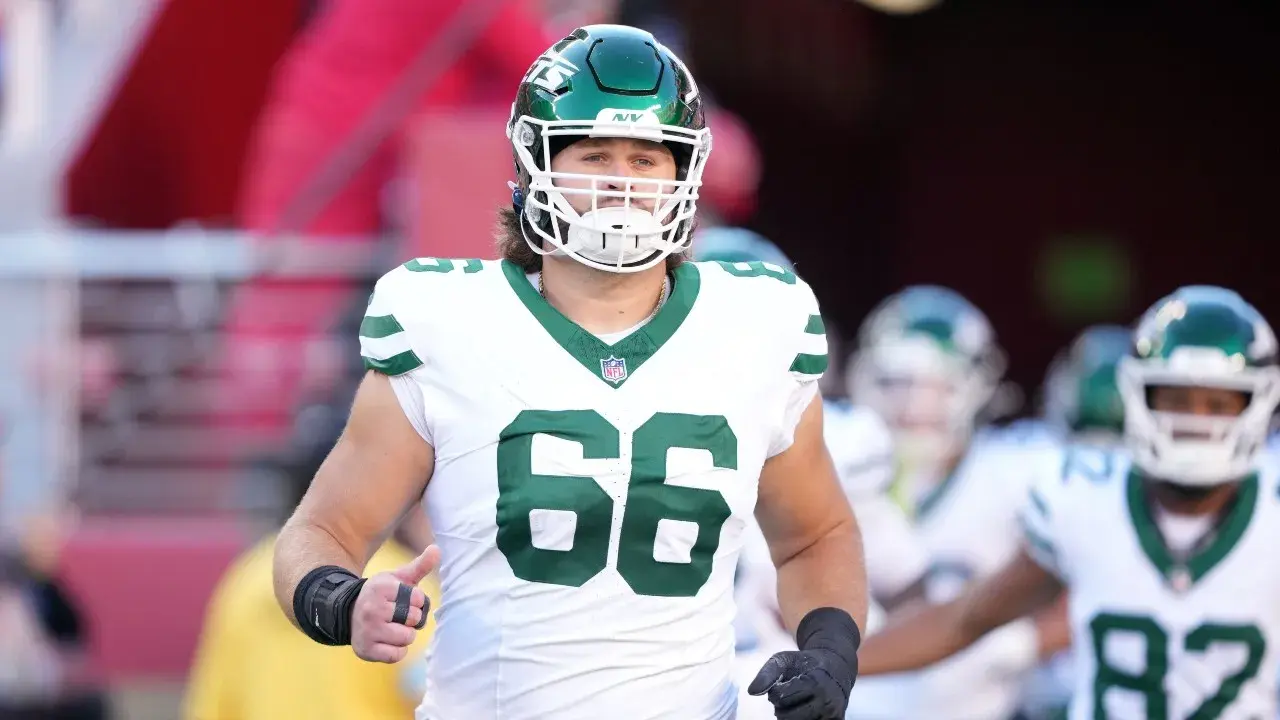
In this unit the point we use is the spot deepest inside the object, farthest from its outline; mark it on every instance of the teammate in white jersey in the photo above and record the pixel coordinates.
(1080, 403)
(1168, 556)
(593, 421)
(862, 449)
(927, 360)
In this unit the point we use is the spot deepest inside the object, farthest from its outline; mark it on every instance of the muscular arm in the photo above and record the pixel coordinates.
(1053, 628)
(813, 536)
(935, 632)
(379, 466)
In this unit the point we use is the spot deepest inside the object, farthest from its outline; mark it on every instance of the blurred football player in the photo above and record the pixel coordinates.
(862, 448)
(1080, 403)
(928, 362)
(251, 664)
(1081, 399)
(593, 420)
(1166, 547)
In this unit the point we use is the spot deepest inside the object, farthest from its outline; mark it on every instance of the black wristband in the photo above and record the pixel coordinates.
(831, 629)
(323, 602)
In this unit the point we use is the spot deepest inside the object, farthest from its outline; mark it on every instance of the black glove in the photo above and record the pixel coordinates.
(813, 683)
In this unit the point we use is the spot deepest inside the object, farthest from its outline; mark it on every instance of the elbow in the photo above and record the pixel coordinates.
(841, 533)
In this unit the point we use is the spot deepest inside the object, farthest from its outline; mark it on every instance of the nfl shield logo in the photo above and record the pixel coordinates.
(613, 369)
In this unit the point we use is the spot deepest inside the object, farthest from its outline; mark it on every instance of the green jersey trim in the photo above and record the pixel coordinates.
(611, 364)
(1204, 559)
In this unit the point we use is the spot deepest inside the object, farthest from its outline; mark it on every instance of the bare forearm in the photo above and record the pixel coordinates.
(300, 548)
(916, 638)
(926, 634)
(828, 573)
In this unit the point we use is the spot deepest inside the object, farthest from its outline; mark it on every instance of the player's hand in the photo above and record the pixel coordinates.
(391, 609)
(806, 684)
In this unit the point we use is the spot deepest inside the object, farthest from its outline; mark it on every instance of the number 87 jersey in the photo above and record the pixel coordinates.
(589, 494)
(1154, 636)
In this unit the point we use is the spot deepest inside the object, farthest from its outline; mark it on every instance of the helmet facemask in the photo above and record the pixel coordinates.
(930, 397)
(624, 237)
(1190, 449)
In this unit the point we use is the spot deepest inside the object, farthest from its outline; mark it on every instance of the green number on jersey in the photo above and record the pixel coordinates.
(650, 500)
(1208, 634)
(442, 265)
(755, 268)
(1150, 682)
(520, 492)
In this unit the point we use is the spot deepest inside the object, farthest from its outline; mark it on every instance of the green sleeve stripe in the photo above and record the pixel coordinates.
(394, 365)
(1038, 541)
(809, 364)
(1038, 502)
(379, 326)
(815, 326)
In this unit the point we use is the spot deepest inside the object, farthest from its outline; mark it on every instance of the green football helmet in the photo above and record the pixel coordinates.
(607, 81)
(735, 244)
(1199, 336)
(928, 363)
(1081, 398)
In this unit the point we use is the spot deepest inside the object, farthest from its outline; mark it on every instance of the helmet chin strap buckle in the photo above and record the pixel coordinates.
(517, 197)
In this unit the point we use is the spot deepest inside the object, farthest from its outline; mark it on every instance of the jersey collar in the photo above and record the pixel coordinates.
(1229, 530)
(611, 364)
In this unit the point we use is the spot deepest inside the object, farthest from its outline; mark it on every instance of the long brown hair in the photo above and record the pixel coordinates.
(513, 248)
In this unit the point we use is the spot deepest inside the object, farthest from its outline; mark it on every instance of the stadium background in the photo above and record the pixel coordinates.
(1060, 163)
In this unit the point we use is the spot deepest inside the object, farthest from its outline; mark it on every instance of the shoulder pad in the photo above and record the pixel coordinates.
(397, 304)
(781, 294)
(861, 447)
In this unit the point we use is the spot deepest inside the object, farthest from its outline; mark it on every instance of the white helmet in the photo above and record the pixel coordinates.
(928, 363)
(1199, 336)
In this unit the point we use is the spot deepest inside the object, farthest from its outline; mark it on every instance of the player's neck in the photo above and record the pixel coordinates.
(1191, 501)
(601, 302)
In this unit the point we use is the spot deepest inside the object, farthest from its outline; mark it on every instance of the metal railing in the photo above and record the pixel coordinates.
(113, 377)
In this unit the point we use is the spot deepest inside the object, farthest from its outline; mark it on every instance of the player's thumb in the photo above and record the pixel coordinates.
(418, 568)
(770, 674)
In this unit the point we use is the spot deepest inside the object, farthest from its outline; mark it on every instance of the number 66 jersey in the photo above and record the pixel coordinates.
(1156, 636)
(589, 494)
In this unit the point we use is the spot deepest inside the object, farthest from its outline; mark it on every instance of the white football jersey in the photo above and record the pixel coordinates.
(1159, 637)
(969, 526)
(862, 450)
(861, 447)
(589, 499)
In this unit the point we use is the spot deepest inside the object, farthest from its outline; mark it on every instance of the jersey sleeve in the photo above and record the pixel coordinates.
(861, 447)
(387, 346)
(1040, 517)
(807, 340)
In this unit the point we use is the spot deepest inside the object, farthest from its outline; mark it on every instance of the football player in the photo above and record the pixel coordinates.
(862, 448)
(593, 421)
(1080, 403)
(1081, 399)
(927, 360)
(1166, 548)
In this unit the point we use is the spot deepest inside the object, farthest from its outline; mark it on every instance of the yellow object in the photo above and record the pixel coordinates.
(253, 664)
